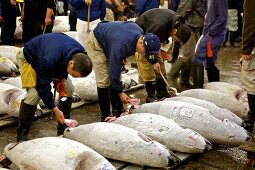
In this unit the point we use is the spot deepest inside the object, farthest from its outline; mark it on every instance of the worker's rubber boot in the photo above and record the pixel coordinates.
(185, 75)
(104, 102)
(249, 124)
(150, 87)
(213, 74)
(161, 89)
(65, 107)
(174, 72)
(198, 75)
(117, 105)
(26, 117)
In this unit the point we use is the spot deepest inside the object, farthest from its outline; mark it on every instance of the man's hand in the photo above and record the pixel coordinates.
(59, 115)
(88, 2)
(1, 18)
(246, 57)
(47, 21)
(124, 98)
(156, 67)
(13, 2)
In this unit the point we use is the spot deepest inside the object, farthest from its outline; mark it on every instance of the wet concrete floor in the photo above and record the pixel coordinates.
(219, 158)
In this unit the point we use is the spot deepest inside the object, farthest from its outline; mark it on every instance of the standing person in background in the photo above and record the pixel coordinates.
(8, 16)
(212, 38)
(115, 10)
(108, 45)
(248, 58)
(164, 23)
(37, 17)
(97, 14)
(142, 6)
(193, 13)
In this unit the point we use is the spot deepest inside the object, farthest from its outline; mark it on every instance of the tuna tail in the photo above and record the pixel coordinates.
(208, 146)
(173, 160)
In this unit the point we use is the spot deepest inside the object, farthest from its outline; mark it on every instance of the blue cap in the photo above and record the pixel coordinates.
(152, 44)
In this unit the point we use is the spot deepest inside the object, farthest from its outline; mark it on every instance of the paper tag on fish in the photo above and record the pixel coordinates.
(71, 123)
(157, 148)
(193, 135)
(105, 166)
(186, 112)
(135, 102)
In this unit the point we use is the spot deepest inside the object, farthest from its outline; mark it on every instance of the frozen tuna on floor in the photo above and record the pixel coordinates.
(227, 88)
(200, 120)
(122, 143)
(221, 100)
(10, 100)
(9, 52)
(56, 154)
(15, 81)
(166, 131)
(7, 67)
(214, 110)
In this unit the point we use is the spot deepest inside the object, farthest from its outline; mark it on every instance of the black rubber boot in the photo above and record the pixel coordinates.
(150, 87)
(174, 72)
(65, 107)
(117, 105)
(213, 74)
(198, 76)
(185, 75)
(161, 89)
(249, 124)
(104, 102)
(26, 117)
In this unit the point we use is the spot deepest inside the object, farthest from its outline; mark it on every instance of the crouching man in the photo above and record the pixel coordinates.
(45, 58)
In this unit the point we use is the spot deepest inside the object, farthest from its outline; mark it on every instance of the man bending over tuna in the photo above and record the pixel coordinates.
(43, 59)
(107, 46)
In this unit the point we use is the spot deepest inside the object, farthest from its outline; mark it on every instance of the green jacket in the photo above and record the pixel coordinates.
(249, 27)
(193, 13)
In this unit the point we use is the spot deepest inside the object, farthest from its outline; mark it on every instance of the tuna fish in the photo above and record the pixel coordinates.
(215, 110)
(7, 67)
(9, 52)
(166, 131)
(221, 100)
(122, 143)
(227, 88)
(200, 120)
(15, 81)
(55, 153)
(10, 99)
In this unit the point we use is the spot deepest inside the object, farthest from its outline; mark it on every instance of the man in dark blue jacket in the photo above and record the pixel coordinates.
(213, 36)
(97, 14)
(108, 45)
(142, 6)
(45, 58)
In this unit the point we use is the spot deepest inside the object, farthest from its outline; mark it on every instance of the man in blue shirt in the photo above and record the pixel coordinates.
(45, 58)
(108, 45)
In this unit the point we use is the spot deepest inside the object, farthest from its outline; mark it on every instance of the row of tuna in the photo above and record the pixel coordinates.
(174, 124)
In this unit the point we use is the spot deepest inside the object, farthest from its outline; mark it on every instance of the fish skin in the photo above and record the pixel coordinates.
(200, 120)
(221, 100)
(215, 110)
(54, 153)
(9, 52)
(122, 143)
(229, 89)
(7, 66)
(166, 131)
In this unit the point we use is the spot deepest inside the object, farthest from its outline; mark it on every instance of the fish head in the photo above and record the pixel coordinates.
(12, 99)
(7, 66)
(195, 140)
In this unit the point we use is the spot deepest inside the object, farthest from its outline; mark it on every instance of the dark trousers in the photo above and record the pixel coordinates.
(9, 25)
(32, 29)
